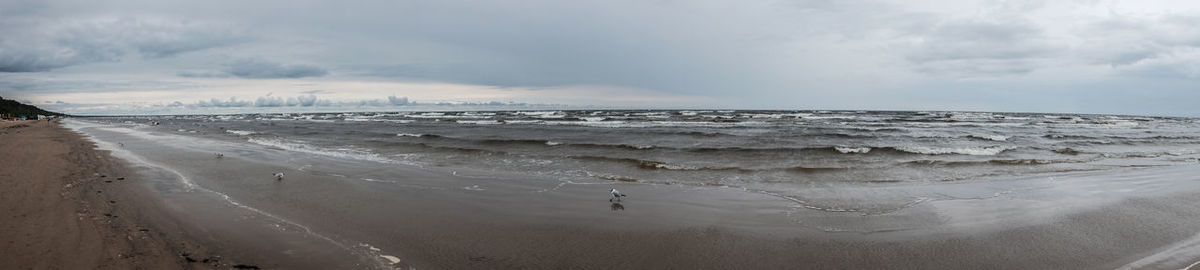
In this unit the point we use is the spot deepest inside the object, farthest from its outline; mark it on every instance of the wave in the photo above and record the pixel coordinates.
(658, 165)
(952, 163)
(240, 132)
(972, 150)
(922, 150)
(343, 153)
(1149, 154)
(480, 122)
(852, 150)
(925, 150)
(622, 124)
(1068, 151)
(1085, 137)
(990, 137)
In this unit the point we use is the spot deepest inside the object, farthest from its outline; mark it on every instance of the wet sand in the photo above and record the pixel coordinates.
(56, 214)
(329, 214)
(67, 205)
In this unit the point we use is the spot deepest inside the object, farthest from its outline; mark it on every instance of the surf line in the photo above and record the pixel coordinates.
(192, 186)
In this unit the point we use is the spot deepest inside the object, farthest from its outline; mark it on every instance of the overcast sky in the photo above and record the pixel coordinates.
(151, 56)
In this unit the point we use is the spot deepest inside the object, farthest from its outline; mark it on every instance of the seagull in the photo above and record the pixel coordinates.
(219, 155)
(278, 176)
(616, 194)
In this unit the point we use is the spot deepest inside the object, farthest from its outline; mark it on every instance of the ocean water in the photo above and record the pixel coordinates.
(371, 184)
(778, 152)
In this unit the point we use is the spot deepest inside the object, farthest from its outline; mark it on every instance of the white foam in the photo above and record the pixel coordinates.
(240, 132)
(975, 151)
(993, 137)
(816, 117)
(344, 153)
(676, 167)
(523, 121)
(544, 114)
(376, 180)
(852, 150)
(970, 115)
(624, 124)
(553, 143)
(391, 258)
(443, 116)
(479, 122)
(409, 135)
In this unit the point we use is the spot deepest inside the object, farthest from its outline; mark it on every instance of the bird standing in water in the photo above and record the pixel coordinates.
(615, 195)
(278, 176)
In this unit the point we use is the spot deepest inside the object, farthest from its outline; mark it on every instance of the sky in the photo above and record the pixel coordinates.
(168, 57)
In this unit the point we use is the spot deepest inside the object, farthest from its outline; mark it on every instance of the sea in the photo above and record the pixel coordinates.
(372, 185)
(770, 151)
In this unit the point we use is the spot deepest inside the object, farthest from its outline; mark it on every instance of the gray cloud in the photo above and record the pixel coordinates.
(397, 100)
(1185, 68)
(975, 47)
(1156, 47)
(302, 100)
(41, 46)
(261, 69)
(232, 102)
(751, 54)
(201, 74)
(308, 100)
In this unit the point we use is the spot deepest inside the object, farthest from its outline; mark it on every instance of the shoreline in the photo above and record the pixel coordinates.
(61, 212)
(314, 220)
(69, 205)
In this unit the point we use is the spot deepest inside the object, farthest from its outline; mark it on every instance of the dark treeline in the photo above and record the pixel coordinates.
(12, 108)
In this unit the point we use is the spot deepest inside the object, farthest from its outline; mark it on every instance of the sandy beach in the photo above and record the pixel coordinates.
(139, 208)
(64, 207)
(67, 205)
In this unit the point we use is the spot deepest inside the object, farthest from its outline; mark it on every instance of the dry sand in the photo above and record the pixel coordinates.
(65, 205)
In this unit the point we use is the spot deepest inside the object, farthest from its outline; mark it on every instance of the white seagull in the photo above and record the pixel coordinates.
(278, 176)
(616, 194)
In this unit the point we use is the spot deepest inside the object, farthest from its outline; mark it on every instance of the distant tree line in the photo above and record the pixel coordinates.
(12, 108)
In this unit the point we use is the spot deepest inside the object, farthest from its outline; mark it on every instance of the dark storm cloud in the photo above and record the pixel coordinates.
(261, 69)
